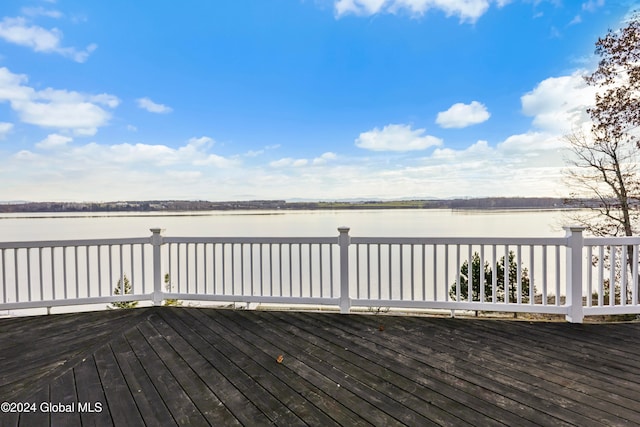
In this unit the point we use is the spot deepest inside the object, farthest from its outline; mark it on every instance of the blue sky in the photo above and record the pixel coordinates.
(288, 99)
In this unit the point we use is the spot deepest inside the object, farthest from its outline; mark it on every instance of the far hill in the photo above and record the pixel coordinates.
(201, 205)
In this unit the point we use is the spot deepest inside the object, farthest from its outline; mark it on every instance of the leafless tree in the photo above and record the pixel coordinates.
(602, 168)
(603, 162)
(602, 176)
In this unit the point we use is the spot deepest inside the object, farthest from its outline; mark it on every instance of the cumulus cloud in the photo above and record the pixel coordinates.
(324, 158)
(200, 141)
(19, 31)
(90, 155)
(52, 108)
(54, 141)
(5, 128)
(396, 137)
(462, 115)
(558, 104)
(256, 153)
(466, 10)
(288, 162)
(152, 107)
(56, 169)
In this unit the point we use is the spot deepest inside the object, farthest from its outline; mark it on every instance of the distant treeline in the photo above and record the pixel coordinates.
(201, 205)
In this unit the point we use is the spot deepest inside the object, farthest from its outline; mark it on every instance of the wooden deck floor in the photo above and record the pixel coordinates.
(167, 366)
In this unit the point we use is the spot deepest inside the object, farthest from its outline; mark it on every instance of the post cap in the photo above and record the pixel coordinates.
(156, 230)
(343, 229)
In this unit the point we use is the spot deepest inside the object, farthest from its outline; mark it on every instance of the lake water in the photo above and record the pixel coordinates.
(402, 223)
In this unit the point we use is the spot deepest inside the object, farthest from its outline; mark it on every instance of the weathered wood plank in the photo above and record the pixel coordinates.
(235, 407)
(9, 419)
(552, 347)
(63, 391)
(524, 367)
(182, 408)
(147, 399)
(89, 388)
(471, 389)
(51, 345)
(116, 390)
(573, 372)
(184, 366)
(32, 416)
(290, 372)
(405, 391)
(267, 390)
(402, 405)
(38, 417)
(509, 370)
(199, 392)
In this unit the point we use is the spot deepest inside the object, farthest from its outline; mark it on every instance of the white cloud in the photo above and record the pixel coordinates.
(395, 137)
(576, 20)
(466, 10)
(41, 11)
(558, 104)
(592, 5)
(358, 7)
(5, 128)
(256, 153)
(288, 162)
(51, 108)
(194, 153)
(532, 143)
(324, 158)
(59, 170)
(152, 107)
(462, 115)
(201, 141)
(19, 31)
(54, 141)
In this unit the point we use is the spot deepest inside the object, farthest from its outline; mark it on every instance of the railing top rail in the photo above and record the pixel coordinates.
(68, 243)
(514, 241)
(622, 240)
(254, 240)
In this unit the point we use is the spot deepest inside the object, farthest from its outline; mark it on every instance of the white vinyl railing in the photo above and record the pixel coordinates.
(611, 264)
(57, 273)
(570, 275)
(276, 270)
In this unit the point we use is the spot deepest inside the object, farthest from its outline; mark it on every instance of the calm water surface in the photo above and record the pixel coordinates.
(410, 222)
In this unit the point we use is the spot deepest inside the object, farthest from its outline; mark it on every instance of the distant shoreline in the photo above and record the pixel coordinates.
(485, 203)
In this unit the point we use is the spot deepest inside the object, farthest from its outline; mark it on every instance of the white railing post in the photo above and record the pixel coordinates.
(575, 243)
(156, 242)
(344, 241)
